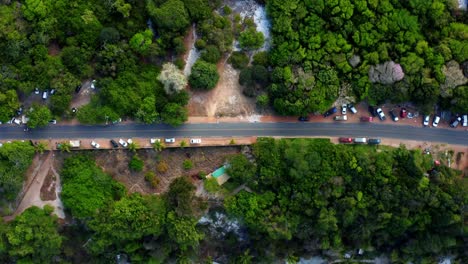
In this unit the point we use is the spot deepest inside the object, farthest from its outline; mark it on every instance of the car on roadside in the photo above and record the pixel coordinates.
(426, 120)
(154, 140)
(455, 122)
(403, 113)
(52, 92)
(303, 118)
(169, 140)
(360, 140)
(330, 111)
(380, 113)
(129, 141)
(344, 109)
(44, 95)
(36, 91)
(366, 119)
(373, 141)
(95, 144)
(53, 122)
(371, 110)
(465, 120)
(352, 108)
(340, 118)
(345, 140)
(123, 143)
(78, 88)
(436, 121)
(74, 110)
(393, 115)
(195, 141)
(93, 84)
(114, 144)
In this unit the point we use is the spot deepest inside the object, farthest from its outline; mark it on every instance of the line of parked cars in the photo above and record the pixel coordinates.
(124, 143)
(360, 140)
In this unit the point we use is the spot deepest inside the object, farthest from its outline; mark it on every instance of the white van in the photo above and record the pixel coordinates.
(360, 140)
(44, 95)
(465, 120)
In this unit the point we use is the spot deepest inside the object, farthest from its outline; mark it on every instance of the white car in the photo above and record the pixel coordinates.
(53, 121)
(154, 140)
(36, 90)
(129, 141)
(195, 140)
(123, 143)
(381, 114)
(352, 108)
(93, 84)
(426, 120)
(169, 140)
(95, 145)
(344, 109)
(436, 121)
(465, 120)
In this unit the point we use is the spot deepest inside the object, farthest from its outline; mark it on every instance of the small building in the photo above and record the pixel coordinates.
(75, 143)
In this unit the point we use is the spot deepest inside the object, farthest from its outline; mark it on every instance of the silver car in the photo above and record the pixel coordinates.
(436, 121)
(169, 140)
(426, 120)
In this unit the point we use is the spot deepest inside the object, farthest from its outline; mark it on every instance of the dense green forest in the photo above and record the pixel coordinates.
(305, 197)
(321, 46)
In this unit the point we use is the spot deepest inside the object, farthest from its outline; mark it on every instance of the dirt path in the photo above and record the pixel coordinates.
(32, 196)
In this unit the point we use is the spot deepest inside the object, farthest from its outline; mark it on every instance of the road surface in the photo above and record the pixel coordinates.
(450, 136)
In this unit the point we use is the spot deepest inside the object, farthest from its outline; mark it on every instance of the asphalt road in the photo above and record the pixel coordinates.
(450, 136)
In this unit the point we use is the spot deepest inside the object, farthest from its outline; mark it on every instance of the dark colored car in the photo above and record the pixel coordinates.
(331, 111)
(393, 115)
(303, 118)
(78, 88)
(114, 144)
(403, 113)
(372, 110)
(455, 122)
(345, 140)
(373, 141)
(367, 119)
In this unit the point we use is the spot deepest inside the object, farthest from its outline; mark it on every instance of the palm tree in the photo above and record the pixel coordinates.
(158, 146)
(133, 146)
(64, 147)
(40, 147)
(183, 144)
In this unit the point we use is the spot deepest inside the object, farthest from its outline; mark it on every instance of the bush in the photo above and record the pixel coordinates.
(204, 75)
(211, 185)
(152, 179)
(187, 164)
(136, 163)
(200, 44)
(211, 54)
(201, 175)
(238, 60)
(261, 58)
(162, 166)
(250, 39)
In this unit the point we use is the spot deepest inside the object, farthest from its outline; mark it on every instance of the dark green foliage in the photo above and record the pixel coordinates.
(250, 39)
(211, 54)
(348, 197)
(8, 105)
(109, 35)
(32, 236)
(261, 58)
(238, 60)
(86, 188)
(15, 158)
(204, 75)
(39, 116)
(240, 169)
(136, 163)
(171, 17)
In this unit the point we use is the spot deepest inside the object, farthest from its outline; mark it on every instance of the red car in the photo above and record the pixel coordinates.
(367, 119)
(403, 113)
(345, 140)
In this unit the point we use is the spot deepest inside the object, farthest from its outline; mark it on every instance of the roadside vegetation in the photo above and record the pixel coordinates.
(299, 197)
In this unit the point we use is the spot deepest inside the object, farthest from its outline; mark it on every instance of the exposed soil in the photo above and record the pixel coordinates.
(48, 187)
(54, 49)
(84, 96)
(206, 159)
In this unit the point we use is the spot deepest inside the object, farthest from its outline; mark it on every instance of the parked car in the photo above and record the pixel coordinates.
(53, 122)
(380, 113)
(465, 120)
(114, 144)
(303, 118)
(195, 141)
(345, 140)
(393, 115)
(52, 92)
(436, 121)
(426, 120)
(169, 140)
(455, 122)
(129, 141)
(123, 143)
(93, 84)
(36, 91)
(78, 88)
(95, 145)
(154, 140)
(340, 118)
(373, 141)
(74, 110)
(403, 113)
(44, 95)
(344, 109)
(371, 110)
(352, 108)
(331, 111)
(366, 119)
(360, 140)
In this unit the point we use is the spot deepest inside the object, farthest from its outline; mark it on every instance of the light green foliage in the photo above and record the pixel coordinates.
(8, 105)
(211, 185)
(250, 39)
(32, 237)
(312, 189)
(204, 76)
(141, 41)
(39, 116)
(86, 188)
(182, 230)
(172, 78)
(187, 164)
(15, 158)
(136, 163)
(174, 114)
(147, 111)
